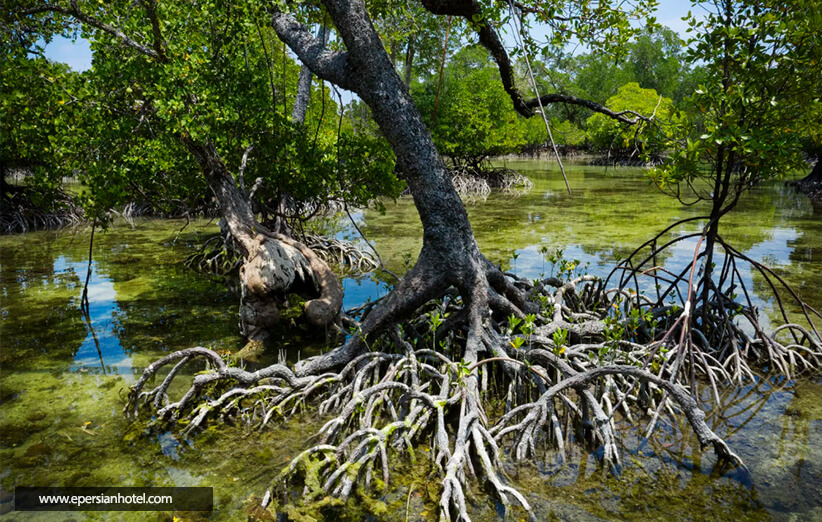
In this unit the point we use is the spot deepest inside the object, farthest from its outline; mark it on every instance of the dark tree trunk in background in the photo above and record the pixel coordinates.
(4, 186)
(409, 60)
(812, 185)
(815, 177)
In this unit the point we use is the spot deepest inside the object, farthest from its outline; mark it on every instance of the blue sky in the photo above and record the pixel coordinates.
(77, 54)
(670, 13)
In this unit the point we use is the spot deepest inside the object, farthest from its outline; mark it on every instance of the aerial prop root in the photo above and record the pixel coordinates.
(403, 395)
(715, 322)
(392, 415)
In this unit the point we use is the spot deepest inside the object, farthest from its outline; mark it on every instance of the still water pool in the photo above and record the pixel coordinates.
(62, 375)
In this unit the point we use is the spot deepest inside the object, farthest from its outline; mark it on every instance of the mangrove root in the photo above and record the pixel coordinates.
(425, 377)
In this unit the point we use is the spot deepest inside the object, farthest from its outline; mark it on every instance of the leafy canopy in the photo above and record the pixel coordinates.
(36, 104)
(474, 118)
(216, 74)
(606, 133)
(761, 96)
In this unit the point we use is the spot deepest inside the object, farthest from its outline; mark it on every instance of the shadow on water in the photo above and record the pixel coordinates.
(62, 376)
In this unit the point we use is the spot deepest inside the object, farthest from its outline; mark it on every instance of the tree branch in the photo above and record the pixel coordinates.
(464, 8)
(489, 39)
(540, 11)
(331, 66)
(75, 12)
(151, 10)
(573, 100)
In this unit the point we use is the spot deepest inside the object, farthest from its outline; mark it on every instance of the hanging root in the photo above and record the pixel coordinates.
(559, 355)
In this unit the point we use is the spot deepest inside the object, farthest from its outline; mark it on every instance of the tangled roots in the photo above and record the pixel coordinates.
(344, 255)
(704, 320)
(477, 183)
(439, 381)
(19, 213)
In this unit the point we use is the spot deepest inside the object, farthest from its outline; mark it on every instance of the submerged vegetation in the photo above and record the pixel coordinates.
(196, 311)
(464, 366)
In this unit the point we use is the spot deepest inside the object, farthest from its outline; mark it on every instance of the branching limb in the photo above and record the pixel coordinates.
(75, 12)
(329, 65)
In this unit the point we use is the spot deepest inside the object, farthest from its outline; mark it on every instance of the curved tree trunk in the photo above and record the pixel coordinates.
(275, 265)
(449, 256)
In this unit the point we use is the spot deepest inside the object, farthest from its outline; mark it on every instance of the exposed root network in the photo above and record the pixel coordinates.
(19, 213)
(504, 368)
(475, 183)
(716, 325)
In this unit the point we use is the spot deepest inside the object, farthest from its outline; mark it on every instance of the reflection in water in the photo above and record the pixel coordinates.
(90, 327)
(61, 417)
(609, 215)
(98, 351)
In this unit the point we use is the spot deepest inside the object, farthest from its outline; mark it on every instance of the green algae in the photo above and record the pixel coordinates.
(61, 419)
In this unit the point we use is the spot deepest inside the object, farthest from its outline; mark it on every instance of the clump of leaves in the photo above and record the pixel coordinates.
(560, 338)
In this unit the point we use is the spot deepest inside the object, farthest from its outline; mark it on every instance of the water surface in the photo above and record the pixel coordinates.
(62, 374)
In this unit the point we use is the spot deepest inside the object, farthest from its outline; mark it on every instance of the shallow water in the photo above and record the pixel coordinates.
(61, 375)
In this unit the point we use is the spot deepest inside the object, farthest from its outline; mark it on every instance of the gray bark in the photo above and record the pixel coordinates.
(304, 84)
(449, 256)
(367, 70)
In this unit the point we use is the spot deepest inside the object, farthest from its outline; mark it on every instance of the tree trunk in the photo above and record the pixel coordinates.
(275, 265)
(409, 60)
(449, 255)
(815, 177)
(304, 84)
